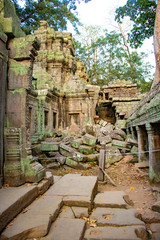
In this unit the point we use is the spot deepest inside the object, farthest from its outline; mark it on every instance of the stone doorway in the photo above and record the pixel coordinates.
(106, 112)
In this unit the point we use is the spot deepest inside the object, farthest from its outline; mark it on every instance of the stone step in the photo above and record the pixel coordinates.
(116, 233)
(67, 229)
(111, 199)
(36, 220)
(15, 199)
(115, 217)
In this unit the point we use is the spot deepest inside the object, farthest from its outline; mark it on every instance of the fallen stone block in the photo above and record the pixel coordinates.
(89, 140)
(119, 144)
(132, 142)
(134, 150)
(120, 132)
(86, 149)
(67, 140)
(113, 154)
(149, 216)
(49, 146)
(111, 199)
(113, 233)
(53, 165)
(115, 217)
(67, 229)
(77, 143)
(107, 139)
(70, 152)
(91, 157)
(115, 136)
(77, 165)
(156, 207)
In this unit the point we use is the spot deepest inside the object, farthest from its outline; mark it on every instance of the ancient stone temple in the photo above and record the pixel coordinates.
(65, 100)
(116, 100)
(44, 89)
(144, 122)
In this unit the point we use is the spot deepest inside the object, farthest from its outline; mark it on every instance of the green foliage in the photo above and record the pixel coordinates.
(106, 58)
(55, 12)
(142, 13)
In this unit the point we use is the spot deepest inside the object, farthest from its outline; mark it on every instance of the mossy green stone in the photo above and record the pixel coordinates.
(86, 149)
(49, 147)
(76, 143)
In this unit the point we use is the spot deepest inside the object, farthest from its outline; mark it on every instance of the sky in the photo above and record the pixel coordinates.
(101, 12)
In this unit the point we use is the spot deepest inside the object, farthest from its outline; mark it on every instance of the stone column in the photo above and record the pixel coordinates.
(3, 69)
(154, 154)
(141, 154)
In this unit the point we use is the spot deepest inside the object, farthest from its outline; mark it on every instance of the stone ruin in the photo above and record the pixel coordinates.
(50, 113)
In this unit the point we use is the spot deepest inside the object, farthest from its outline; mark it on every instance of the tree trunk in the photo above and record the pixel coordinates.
(157, 45)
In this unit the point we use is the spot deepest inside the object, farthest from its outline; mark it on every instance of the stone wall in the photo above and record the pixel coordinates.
(118, 98)
(144, 124)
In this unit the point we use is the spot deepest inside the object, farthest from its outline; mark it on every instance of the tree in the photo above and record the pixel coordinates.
(142, 13)
(55, 12)
(110, 58)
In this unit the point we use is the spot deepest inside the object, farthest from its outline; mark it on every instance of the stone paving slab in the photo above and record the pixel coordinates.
(14, 199)
(80, 212)
(74, 185)
(27, 227)
(77, 201)
(112, 233)
(66, 212)
(111, 199)
(66, 229)
(36, 220)
(115, 217)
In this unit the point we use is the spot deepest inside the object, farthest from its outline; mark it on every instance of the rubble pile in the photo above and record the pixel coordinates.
(79, 151)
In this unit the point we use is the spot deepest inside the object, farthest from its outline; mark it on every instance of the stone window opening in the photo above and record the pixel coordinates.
(30, 117)
(106, 96)
(46, 113)
(54, 120)
(101, 96)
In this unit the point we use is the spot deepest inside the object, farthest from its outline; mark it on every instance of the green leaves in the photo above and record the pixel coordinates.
(55, 12)
(107, 58)
(142, 13)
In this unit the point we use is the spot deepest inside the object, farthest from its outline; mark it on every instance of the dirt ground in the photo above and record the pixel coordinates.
(127, 178)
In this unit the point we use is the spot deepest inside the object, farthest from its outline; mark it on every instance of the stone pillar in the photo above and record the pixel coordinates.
(141, 154)
(154, 153)
(3, 69)
(102, 159)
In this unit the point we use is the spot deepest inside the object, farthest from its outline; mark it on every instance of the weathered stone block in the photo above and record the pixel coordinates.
(119, 144)
(89, 140)
(70, 152)
(86, 149)
(132, 142)
(120, 132)
(49, 146)
(107, 139)
(77, 143)
(113, 154)
(116, 136)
